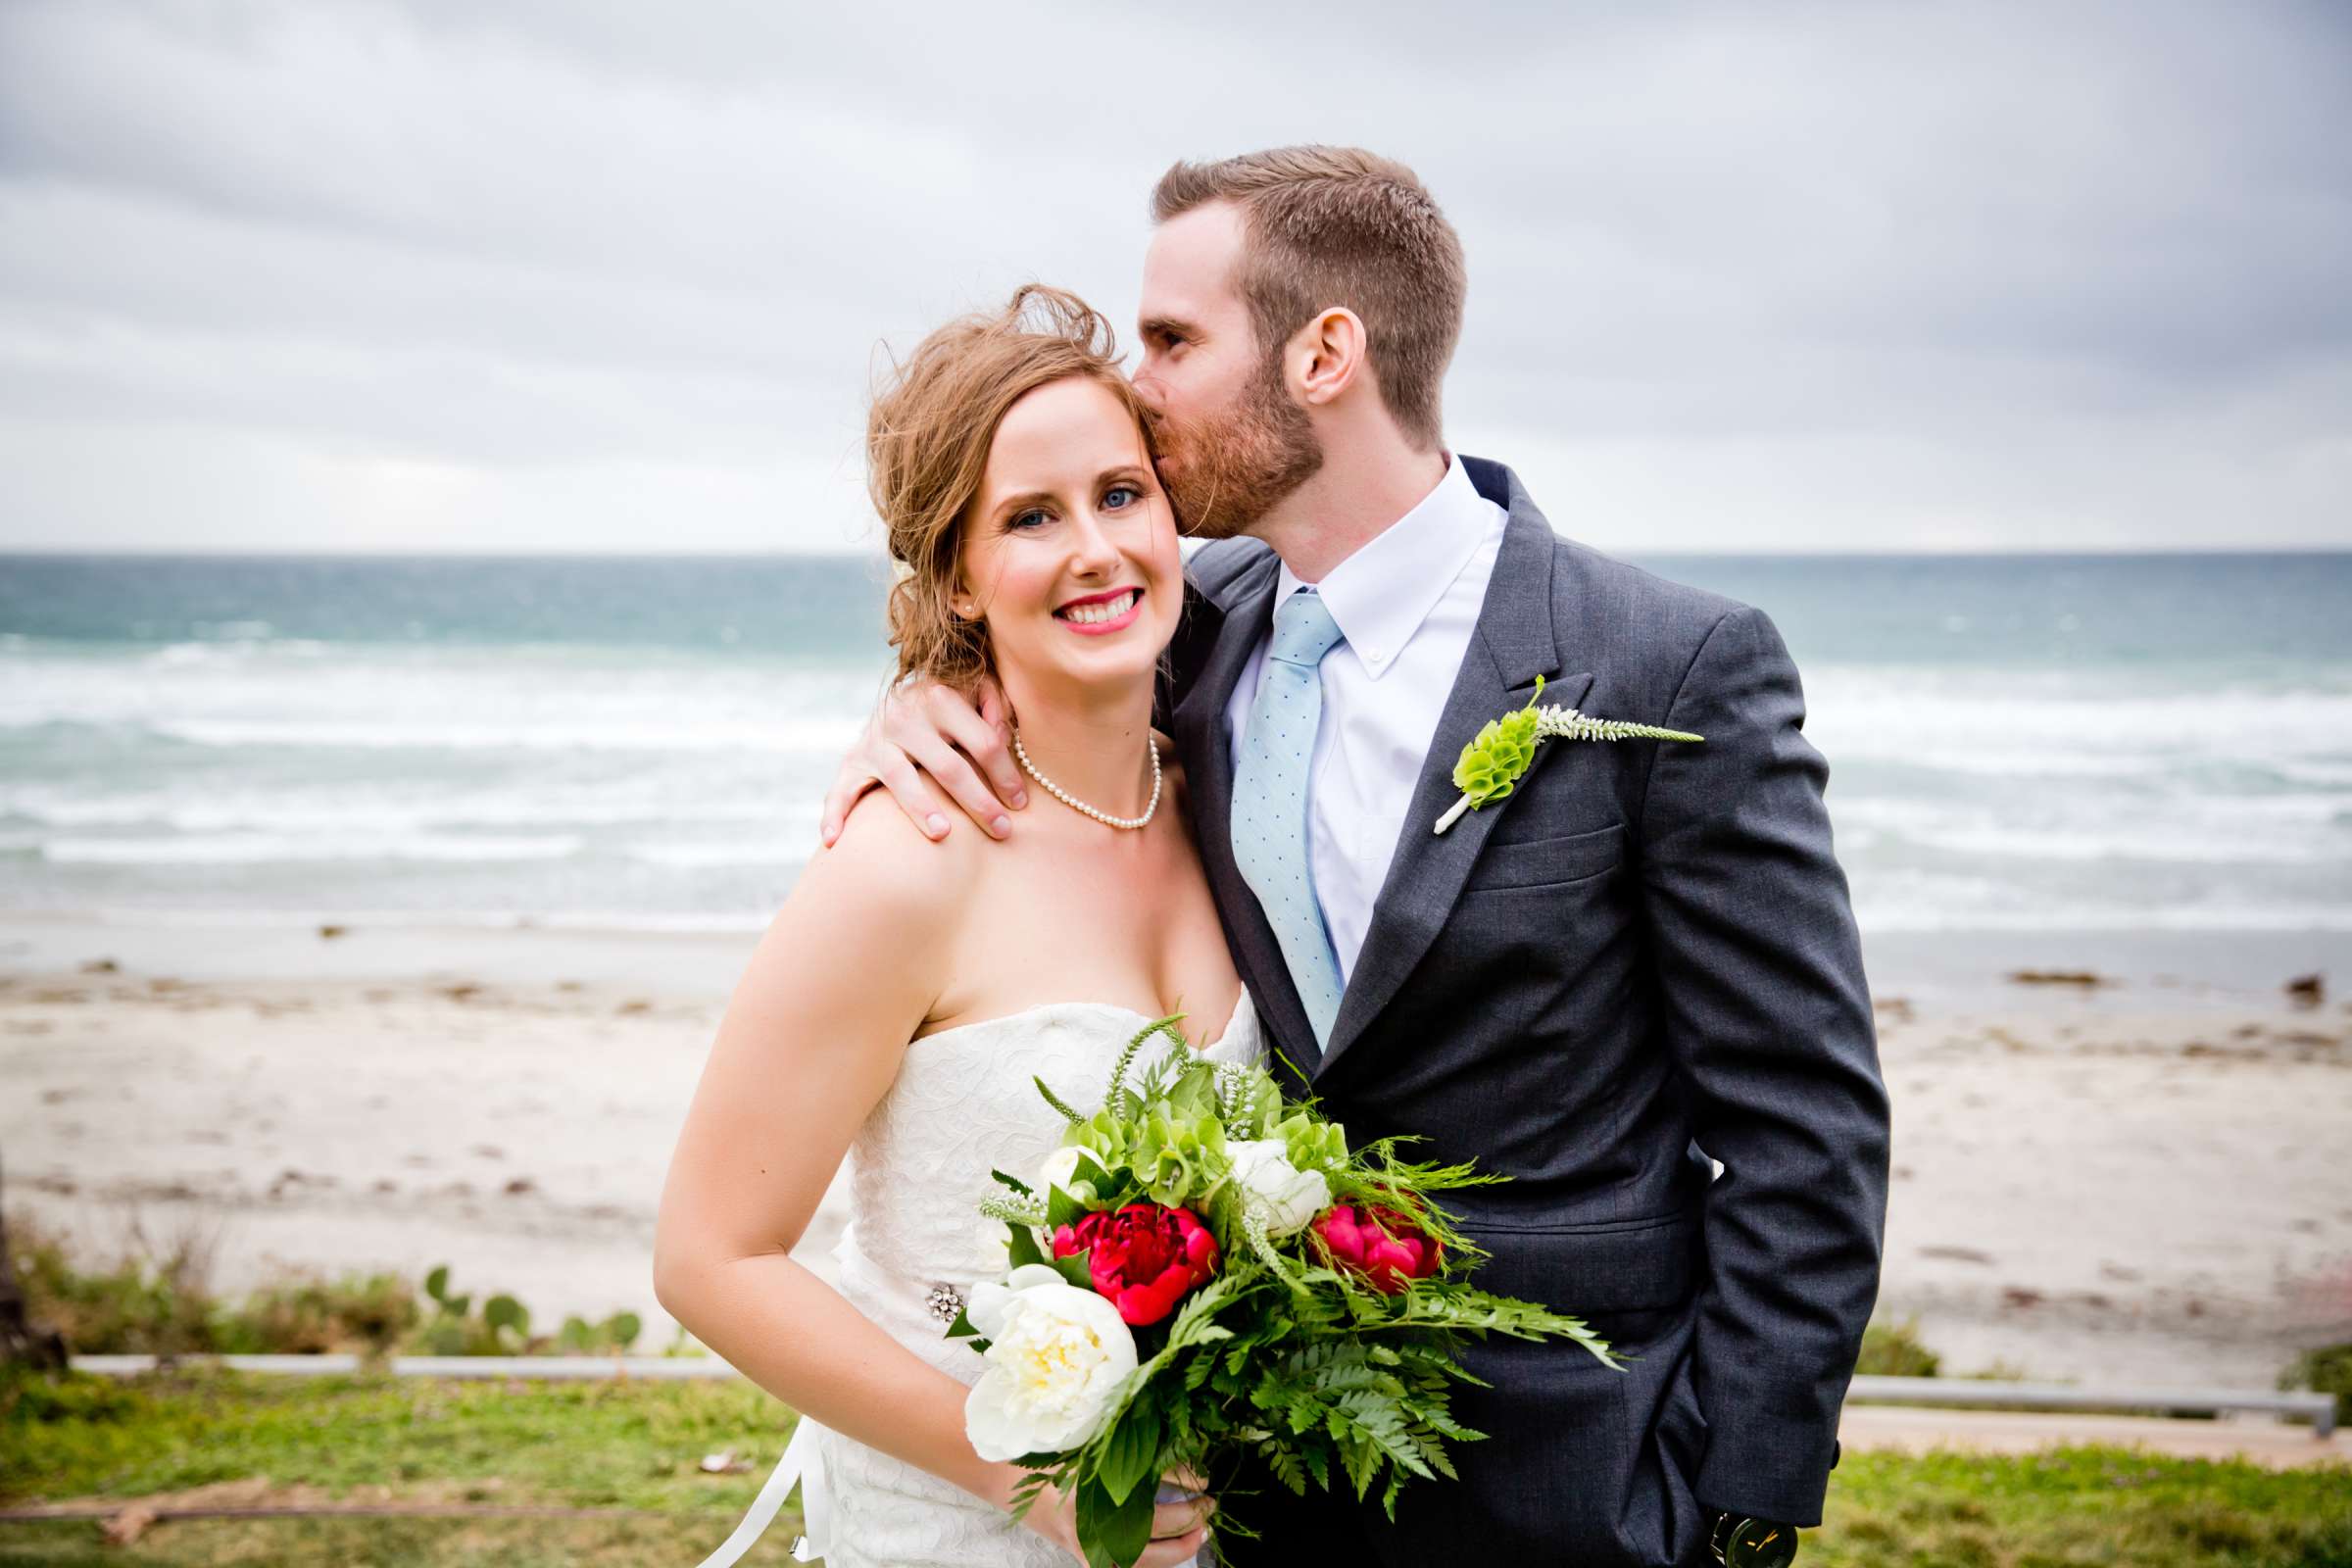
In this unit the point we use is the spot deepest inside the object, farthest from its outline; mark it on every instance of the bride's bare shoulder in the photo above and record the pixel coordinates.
(883, 863)
(871, 929)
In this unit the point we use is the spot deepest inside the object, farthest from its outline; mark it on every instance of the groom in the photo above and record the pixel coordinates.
(1637, 966)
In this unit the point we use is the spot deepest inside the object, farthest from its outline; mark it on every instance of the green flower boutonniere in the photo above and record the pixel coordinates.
(1489, 766)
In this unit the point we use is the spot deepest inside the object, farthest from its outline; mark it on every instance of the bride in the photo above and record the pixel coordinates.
(908, 991)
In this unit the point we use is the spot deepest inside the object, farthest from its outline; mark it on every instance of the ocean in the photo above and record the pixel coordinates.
(2030, 743)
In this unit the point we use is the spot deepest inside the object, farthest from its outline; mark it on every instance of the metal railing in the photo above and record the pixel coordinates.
(2319, 1408)
(651, 1368)
(1970, 1391)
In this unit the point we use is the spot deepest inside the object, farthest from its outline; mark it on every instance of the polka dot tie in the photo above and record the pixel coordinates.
(1269, 801)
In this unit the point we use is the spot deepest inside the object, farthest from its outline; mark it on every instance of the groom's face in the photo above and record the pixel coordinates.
(1232, 439)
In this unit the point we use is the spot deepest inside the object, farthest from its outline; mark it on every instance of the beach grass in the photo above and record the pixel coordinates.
(639, 1446)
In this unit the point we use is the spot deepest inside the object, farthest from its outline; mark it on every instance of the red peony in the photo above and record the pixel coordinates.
(1142, 1258)
(1386, 1249)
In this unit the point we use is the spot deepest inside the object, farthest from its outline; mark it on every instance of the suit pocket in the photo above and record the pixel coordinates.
(1544, 863)
(1649, 1264)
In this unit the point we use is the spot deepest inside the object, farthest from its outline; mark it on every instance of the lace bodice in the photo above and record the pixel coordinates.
(963, 1103)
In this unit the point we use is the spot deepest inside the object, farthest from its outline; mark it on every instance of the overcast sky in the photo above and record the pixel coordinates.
(609, 274)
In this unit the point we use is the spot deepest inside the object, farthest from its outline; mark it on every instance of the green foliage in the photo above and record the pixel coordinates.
(1113, 1531)
(304, 1316)
(1896, 1351)
(155, 1299)
(1022, 1249)
(1014, 1213)
(1056, 1101)
(502, 1326)
(1248, 1102)
(1180, 1159)
(611, 1337)
(1261, 1245)
(1281, 1354)
(1489, 766)
(1163, 1140)
(1314, 1144)
(2325, 1370)
(1067, 1208)
(1118, 1094)
(1129, 1451)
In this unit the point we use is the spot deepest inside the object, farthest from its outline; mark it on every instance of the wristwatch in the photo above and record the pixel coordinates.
(1739, 1542)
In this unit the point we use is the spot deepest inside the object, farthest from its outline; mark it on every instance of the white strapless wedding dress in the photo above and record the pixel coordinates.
(961, 1106)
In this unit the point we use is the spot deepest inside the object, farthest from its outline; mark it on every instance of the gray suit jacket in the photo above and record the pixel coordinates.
(1643, 958)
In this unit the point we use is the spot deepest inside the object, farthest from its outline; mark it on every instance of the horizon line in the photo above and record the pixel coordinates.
(69, 553)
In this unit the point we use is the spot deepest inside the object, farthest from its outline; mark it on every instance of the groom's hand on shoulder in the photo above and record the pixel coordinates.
(926, 738)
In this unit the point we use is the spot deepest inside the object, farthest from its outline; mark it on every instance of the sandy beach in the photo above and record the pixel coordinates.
(2140, 1180)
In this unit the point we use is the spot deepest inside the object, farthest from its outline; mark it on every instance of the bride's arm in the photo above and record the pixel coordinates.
(810, 1041)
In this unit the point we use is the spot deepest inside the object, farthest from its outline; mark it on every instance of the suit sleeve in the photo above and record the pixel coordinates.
(1768, 1015)
(1196, 635)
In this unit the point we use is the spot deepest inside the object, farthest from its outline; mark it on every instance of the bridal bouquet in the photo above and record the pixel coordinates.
(1202, 1272)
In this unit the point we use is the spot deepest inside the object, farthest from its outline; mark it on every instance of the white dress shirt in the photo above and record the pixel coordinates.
(1406, 604)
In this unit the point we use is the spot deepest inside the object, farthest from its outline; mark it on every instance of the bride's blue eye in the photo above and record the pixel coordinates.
(1024, 519)
(1132, 494)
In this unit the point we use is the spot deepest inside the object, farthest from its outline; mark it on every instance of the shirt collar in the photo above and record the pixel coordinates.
(1380, 595)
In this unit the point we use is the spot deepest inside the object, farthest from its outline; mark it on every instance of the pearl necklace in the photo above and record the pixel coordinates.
(1150, 748)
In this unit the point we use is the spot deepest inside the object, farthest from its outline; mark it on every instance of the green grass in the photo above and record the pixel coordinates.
(638, 1446)
(585, 1445)
(2080, 1506)
(391, 1543)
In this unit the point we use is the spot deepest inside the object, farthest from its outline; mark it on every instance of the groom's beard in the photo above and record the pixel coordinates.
(1231, 470)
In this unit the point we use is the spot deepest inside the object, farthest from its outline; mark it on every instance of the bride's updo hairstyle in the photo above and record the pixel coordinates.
(926, 451)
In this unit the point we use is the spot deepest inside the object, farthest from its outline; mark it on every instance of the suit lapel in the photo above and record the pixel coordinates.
(1204, 740)
(1513, 644)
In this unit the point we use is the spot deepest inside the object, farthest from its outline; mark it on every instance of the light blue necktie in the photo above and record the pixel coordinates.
(1269, 801)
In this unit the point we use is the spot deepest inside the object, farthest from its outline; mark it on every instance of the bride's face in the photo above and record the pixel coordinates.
(1069, 549)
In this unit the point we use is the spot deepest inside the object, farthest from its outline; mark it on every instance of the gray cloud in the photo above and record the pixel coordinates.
(558, 274)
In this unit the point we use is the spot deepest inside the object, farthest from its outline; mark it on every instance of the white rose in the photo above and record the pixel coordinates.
(1288, 1197)
(1057, 1357)
(1060, 1168)
(993, 1246)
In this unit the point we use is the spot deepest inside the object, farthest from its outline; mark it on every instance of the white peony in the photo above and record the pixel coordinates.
(1058, 1359)
(1287, 1195)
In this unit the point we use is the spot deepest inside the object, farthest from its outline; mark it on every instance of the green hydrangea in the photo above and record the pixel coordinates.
(1180, 1160)
(1489, 766)
(1314, 1144)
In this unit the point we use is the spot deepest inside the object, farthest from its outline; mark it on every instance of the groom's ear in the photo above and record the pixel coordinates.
(1328, 356)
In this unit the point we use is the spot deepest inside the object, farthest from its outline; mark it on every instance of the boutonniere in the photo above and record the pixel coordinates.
(1489, 766)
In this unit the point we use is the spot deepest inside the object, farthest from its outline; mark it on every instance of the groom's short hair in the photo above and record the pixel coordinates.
(1338, 225)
